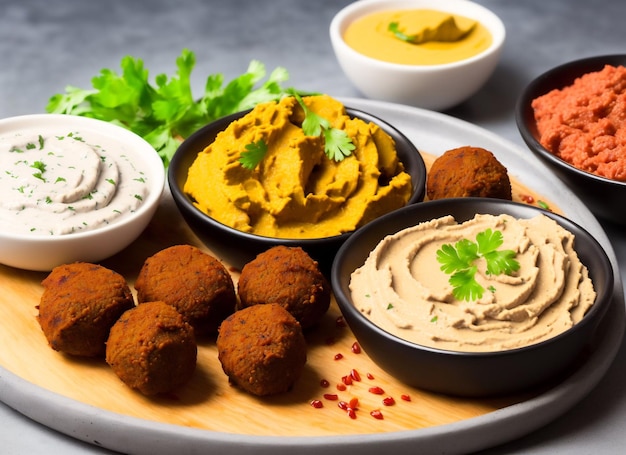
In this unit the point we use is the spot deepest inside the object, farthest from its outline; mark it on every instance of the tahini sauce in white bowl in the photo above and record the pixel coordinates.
(73, 189)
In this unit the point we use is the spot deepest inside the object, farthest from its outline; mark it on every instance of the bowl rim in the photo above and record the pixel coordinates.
(151, 160)
(344, 300)
(542, 84)
(360, 8)
(183, 199)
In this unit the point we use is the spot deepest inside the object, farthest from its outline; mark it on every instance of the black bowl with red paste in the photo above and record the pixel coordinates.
(603, 196)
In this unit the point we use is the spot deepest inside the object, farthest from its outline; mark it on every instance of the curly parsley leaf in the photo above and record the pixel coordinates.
(166, 111)
(458, 261)
(253, 155)
(337, 143)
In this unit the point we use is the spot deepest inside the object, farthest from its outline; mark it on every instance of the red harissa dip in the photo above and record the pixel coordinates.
(585, 123)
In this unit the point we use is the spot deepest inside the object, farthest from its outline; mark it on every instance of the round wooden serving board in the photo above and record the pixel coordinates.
(209, 401)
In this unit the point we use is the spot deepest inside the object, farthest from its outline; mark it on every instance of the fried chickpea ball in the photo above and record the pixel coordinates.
(262, 349)
(193, 282)
(468, 172)
(152, 349)
(287, 276)
(79, 304)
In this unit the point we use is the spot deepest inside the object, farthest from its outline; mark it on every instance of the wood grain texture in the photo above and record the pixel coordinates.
(208, 401)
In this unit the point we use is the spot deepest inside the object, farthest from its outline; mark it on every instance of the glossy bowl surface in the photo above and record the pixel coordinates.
(43, 252)
(603, 196)
(472, 374)
(242, 247)
(435, 87)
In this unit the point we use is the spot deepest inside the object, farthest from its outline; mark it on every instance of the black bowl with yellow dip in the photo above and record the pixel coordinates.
(239, 246)
(477, 371)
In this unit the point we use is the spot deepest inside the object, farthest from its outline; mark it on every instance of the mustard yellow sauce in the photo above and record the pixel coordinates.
(437, 39)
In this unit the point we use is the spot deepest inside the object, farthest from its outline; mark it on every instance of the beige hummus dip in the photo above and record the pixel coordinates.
(296, 191)
(402, 289)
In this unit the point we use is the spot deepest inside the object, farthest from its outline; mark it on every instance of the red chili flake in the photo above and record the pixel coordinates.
(341, 387)
(317, 404)
(355, 375)
(370, 376)
(389, 401)
(354, 403)
(338, 356)
(406, 397)
(376, 390)
(377, 414)
(347, 380)
(351, 413)
(356, 348)
(324, 383)
(527, 198)
(331, 396)
(343, 405)
(340, 322)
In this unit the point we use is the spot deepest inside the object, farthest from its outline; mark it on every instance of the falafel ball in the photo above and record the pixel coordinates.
(287, 276)
(262, 349)
(468, 172)
(152, 349)
(193, 282)
(79, 304)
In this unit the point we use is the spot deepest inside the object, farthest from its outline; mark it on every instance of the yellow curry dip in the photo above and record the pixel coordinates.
(443, 38)
(296, 191)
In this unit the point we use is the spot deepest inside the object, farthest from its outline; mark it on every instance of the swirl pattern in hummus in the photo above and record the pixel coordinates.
(402, 289)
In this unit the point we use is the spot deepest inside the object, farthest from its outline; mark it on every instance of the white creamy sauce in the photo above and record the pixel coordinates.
(61, 182)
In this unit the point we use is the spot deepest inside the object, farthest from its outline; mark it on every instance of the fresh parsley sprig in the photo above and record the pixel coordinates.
(337, 143)
(166, 111)
(459, 261)
(394, 28)
(253, 155)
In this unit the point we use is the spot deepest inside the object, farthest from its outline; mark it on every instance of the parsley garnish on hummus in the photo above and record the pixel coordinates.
(337, 144)
(459, 262)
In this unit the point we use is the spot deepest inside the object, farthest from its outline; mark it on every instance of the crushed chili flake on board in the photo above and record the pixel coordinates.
(352, 406)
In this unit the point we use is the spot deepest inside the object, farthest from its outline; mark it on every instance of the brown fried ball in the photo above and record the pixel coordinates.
(193, 282)
(468, 172)
(287, 276)
(262, 349)
(79, 304)
(152, 349)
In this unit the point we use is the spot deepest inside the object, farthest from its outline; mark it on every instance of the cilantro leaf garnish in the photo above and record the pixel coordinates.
(253, 155)
(394, 28)
(337, 143)
(41, 167)
(458, 261)
(166, 111)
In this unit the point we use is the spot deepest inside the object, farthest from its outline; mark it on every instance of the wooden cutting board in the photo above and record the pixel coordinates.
(208, 401)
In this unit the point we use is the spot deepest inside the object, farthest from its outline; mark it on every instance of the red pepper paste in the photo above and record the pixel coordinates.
(585, 123)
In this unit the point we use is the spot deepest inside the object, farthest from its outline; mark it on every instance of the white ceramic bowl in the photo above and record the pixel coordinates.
(40, 252)
(435, 87)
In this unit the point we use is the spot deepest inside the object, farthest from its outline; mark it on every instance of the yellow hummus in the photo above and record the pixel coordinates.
(402, 289)
(296, 191)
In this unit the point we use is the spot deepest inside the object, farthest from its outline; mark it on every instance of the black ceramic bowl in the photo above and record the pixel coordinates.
(603, 196)
(241, 247)
(471, 374)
